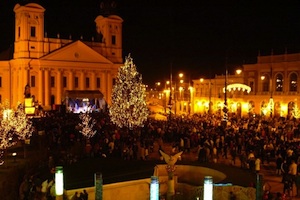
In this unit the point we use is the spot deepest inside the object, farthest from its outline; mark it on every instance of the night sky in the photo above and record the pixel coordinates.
(193, 37)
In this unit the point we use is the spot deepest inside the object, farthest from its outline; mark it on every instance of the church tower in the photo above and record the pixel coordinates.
(109, 28)
(29, 31)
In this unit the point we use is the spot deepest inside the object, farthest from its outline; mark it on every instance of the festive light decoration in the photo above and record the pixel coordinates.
(14, 126)
(129, 108)
(87, 124)
(238, 87)
(296, 112)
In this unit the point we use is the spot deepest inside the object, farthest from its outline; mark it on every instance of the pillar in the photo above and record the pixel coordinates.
(40, 86)
(59, 183)
(98, 186)
(47, 88)
(59, 87)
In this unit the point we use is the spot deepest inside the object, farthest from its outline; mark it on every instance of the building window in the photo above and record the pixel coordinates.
(252, 85)
(32, 81)
(0, 81)
(113, 39)
(76, 82)
(19, 31)
(293, 82)
(87, 82)
(52, 81)
(279, 83)
(266, 83)
(32, 31)
(98, 82)
(64, 81)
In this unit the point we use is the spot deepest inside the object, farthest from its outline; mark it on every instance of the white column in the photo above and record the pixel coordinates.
(109, 87)
(58, 88)
(40, 86)
(93, 80)
(71, 80)
(47, 88)
(15, 86)
(82, 81)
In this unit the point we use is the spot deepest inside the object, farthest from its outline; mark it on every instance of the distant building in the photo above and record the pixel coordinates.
(273, 80)
(54, 67)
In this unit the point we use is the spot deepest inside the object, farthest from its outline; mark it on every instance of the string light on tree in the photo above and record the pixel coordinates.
(87, 124)
(129, 108)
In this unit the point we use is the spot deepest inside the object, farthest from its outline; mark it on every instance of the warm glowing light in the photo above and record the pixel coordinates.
(180, 75)
(181, 81)
(201, 80)
(154, 188)
(86, 125)
(237, 86)
(7, 113)
(208, 188)
(59, 181)
(129, 108)
(262, 78)
(238, 71)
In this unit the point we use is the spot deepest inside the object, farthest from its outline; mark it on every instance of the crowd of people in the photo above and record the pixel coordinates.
(252, 140)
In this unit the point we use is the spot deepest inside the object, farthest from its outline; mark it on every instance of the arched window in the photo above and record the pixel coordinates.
(279, 83)
(265, 83)
(293, 82)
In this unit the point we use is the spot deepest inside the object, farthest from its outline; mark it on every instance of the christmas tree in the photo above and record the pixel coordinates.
(128, 108)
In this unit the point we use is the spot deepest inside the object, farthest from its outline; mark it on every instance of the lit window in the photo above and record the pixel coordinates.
(293, 82)
(279, 83)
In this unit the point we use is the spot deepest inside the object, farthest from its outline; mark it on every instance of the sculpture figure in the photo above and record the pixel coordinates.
(171, 161)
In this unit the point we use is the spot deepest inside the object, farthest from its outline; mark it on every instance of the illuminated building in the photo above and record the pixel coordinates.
(268, 87)
(53, 66)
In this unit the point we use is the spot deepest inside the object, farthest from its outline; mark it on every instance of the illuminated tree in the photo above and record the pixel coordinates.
(15, 126)
(86, 125)
(128, 108)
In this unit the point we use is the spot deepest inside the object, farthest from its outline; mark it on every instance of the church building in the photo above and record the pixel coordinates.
(54, 70)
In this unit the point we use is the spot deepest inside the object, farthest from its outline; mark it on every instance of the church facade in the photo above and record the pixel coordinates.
(52, 67)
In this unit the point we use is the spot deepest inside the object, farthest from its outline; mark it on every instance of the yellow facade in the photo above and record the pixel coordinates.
(51, 66)
(273, 80)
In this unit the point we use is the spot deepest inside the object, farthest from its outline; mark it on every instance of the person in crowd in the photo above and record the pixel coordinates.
(279, 162)
(257, 165)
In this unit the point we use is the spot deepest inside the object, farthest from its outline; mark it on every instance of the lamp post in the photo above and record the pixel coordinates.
(225, 108)
(271, 102)
(270, 88)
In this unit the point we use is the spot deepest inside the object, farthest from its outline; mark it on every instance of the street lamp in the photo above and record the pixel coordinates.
(225, 108)
(269, 88)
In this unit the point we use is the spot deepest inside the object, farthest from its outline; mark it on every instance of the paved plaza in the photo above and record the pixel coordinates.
(81, 174)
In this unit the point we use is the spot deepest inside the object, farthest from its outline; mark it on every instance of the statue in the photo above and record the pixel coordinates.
(27, 91)
(170, 160)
